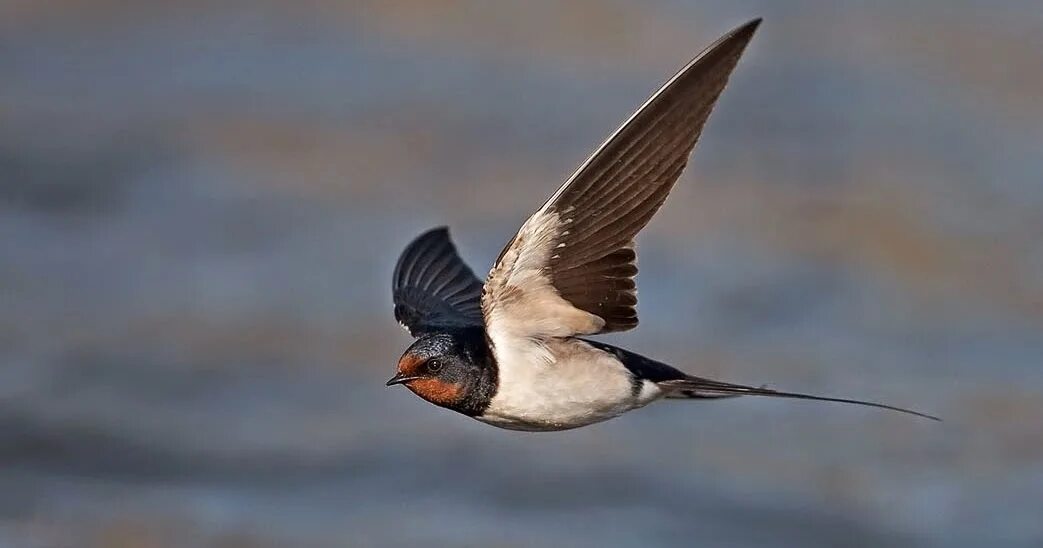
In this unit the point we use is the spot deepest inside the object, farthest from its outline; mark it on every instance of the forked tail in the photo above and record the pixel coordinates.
(696, 387)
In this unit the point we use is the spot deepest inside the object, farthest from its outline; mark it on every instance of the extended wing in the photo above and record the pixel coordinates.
(570, 268)
(433, 288)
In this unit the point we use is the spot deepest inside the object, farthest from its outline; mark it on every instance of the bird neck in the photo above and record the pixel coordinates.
(484, 379)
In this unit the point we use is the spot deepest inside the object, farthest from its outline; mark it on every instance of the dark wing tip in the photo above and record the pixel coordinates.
(439, 231)
(735, 41)
(745, 30)
(729, 46)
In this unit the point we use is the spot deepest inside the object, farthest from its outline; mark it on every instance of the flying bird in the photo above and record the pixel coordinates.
(512, 352)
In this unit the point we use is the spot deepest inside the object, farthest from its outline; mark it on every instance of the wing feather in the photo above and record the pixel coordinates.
(570, 268)
(433, 289)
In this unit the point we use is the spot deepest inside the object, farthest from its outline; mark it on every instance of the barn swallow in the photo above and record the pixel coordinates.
(512, 352)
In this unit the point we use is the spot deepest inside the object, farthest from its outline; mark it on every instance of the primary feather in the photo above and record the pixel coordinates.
(432, 287)
(570, 268)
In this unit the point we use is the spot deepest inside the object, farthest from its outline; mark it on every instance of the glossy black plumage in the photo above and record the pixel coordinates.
(466, 361)
(433, 289)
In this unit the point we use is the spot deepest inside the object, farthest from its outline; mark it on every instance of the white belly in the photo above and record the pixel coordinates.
(583, 386)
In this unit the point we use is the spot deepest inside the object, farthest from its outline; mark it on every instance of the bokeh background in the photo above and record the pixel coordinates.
(201, 204)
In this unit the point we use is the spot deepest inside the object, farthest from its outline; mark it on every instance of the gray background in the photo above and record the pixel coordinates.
(201, 204)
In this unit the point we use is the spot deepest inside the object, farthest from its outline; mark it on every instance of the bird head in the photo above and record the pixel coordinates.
(435, 369)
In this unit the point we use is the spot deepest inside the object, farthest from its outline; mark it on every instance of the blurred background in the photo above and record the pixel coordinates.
(201, 204)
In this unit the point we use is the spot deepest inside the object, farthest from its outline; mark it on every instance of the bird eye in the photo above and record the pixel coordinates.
(434, 365)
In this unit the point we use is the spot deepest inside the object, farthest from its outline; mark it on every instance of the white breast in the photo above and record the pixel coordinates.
(577, 386)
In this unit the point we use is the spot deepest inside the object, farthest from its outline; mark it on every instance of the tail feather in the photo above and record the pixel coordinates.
(699, 388)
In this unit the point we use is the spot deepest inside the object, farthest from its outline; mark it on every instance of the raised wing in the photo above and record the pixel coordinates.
(433, 288)
(570, 268)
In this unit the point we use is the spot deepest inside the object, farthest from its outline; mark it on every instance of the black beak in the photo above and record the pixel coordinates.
(399, 378)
